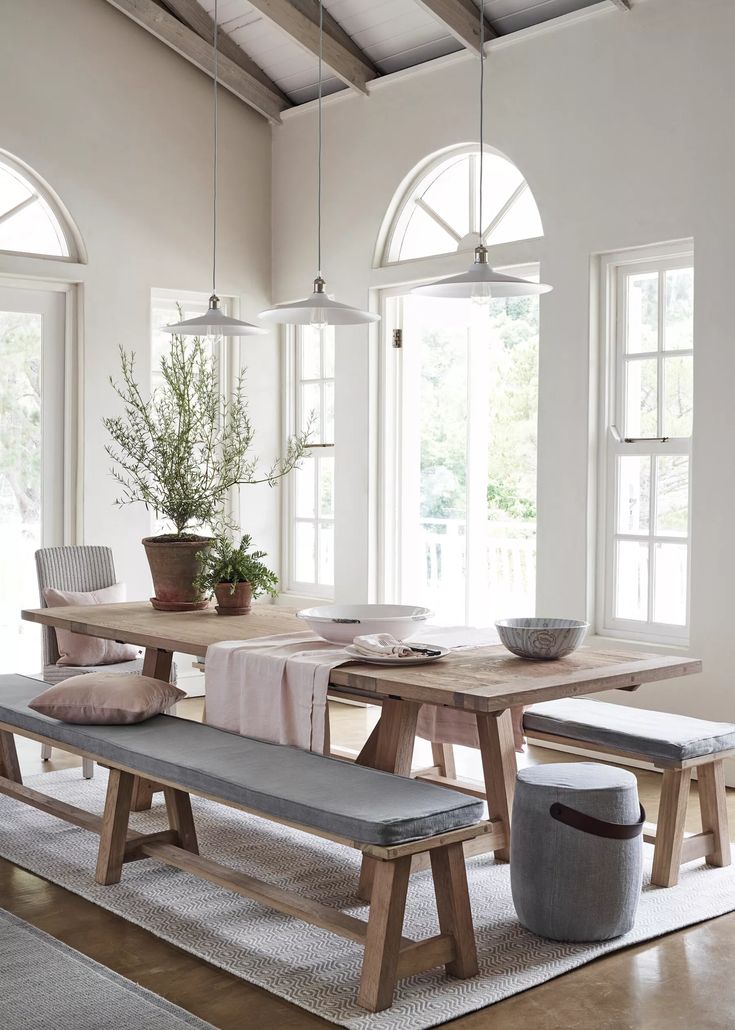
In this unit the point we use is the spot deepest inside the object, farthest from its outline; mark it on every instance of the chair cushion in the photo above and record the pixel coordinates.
(78, 648)
(654, 735)
(106, 699)
(348, 800)
(58, 673)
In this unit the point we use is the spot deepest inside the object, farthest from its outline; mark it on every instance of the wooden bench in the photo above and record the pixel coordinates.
(388, 818)
(673, 744)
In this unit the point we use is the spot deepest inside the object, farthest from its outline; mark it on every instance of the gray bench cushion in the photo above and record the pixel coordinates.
(655, 735)
(348, 800)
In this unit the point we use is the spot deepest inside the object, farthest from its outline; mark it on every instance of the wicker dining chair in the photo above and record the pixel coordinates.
(81, 568)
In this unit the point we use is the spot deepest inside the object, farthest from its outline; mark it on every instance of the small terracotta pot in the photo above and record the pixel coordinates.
(235, 602)
(174, 568)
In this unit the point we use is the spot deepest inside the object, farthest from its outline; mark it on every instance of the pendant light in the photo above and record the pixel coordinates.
(318, 310)
(481, 282)
(215, 322)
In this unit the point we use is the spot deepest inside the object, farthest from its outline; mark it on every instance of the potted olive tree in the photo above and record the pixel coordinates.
(180, 450)
(236, 575)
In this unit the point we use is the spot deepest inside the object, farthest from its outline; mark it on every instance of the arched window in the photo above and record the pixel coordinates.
(31, 219)
(438, 214)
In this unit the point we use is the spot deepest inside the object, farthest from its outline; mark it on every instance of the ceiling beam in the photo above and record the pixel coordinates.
(162, 24)
(299, 19)
(193, 14)
(462, 18)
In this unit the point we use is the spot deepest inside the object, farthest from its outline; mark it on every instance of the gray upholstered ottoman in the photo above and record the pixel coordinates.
(576, 851)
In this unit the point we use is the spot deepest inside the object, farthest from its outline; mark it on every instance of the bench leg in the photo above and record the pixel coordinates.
(9, 764)
(670, 827)
(143, 792)
(180, 818)
(443, 756)
(114, 827)
(498, 752)
(390, 748)
(367, 875)
(453, 905)
(383, 939)
(713, 805)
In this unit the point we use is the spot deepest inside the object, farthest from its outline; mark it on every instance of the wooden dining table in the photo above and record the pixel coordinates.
(486, 681)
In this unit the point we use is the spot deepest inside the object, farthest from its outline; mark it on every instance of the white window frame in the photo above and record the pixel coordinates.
(612, 444)
(67, 528)
(294, 421)
(69, 238)
(408, 196)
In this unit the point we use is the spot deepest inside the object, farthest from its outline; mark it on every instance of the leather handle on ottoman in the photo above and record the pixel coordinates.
(597, 827)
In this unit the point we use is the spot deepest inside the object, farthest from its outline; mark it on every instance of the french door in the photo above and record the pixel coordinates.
(459, 454)
(32, 452)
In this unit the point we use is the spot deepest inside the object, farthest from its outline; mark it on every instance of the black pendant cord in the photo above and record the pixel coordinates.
(319, 147)
(214, 169)
(482, 113)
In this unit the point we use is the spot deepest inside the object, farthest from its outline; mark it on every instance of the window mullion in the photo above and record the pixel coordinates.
(660, 360)
(317, 540)
(652, 515)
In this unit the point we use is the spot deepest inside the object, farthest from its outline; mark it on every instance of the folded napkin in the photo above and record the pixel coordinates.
(381, 645)
(273, 688)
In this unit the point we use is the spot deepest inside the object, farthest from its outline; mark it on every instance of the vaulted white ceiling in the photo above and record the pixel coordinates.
(394, 34)
(268, 48)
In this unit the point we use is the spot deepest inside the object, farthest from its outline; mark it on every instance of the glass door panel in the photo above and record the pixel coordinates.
(467, 464)
(31, 458)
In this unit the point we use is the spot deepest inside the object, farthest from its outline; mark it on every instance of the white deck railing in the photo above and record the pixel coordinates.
(507, 583)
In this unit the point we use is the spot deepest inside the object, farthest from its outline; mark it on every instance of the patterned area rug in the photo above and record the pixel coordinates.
(301, 963)
(49, 986)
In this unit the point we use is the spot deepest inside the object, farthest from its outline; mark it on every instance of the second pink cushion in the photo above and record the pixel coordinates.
(79, 649)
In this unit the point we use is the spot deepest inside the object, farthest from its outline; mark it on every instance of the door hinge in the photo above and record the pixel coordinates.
(398, 338)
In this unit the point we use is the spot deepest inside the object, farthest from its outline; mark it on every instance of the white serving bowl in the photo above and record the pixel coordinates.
(541, 639)
(341, 623)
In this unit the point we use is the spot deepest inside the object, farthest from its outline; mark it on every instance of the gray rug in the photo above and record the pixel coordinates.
(301, 963)
(49, 986)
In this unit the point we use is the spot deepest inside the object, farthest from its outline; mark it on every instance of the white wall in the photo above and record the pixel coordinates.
(622, 124)
(118, 125)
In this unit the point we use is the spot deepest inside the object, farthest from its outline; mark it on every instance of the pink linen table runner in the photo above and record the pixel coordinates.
(275, 688)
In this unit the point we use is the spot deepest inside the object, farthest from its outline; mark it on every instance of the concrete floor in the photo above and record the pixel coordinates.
(680, 981)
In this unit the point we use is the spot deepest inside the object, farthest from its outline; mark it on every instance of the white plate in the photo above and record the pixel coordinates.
(416, 659)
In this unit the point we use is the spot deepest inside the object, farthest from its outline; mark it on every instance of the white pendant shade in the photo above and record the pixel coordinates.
(214, 323)
(318, 310)
(481, 282)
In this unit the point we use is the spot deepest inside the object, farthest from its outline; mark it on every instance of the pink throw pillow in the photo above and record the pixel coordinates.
(106, 699)
(77, 648)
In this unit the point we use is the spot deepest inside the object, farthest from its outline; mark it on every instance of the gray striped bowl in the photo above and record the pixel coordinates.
(541, 639)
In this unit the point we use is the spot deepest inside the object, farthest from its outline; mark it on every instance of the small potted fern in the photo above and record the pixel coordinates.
(236, 575)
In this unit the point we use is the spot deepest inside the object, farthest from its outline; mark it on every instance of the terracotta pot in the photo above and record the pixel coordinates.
(235, 602)
(174, 567)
